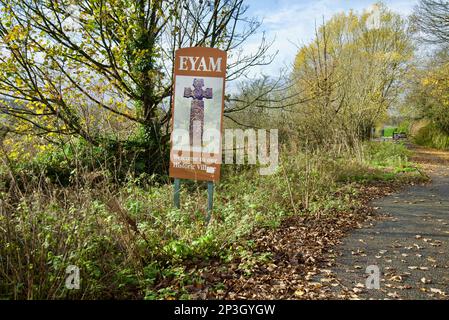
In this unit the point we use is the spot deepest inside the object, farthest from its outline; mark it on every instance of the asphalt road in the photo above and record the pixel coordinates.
(410, 247)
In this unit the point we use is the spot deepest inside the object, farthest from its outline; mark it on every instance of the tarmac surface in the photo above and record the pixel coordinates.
(410, 246)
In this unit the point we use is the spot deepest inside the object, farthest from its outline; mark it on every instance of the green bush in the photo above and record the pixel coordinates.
(75, 157)
(432, 136)
(381, 161)
(386, 154)
(405, 127)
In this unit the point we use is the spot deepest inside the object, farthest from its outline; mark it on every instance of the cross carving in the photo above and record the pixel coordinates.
(197, 107)
(198, 93)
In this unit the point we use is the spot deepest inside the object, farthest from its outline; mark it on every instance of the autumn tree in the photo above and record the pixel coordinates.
(350, 75)
(428, 91)
(81, 67)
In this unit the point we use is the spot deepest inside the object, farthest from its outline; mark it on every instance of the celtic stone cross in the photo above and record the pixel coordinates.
(197, 108)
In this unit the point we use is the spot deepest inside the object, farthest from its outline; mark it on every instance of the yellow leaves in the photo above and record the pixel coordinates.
(23, 126)
(393, 56)
(437, 84)
(15, 148)
(19, 82)
(8, 142)
(430, 81)
(46, 147)
(14, 155)
(23, 147)
(426, 81)
(16, 33)
(37, 107)
(300, 58)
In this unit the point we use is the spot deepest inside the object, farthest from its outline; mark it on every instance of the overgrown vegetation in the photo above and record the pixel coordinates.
(432, 136)
(127, 239)
(428, 93)
(84, 132)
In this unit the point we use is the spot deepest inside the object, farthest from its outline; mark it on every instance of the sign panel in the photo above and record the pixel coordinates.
(197, 113)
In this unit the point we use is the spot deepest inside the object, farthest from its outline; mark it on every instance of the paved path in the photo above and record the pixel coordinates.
(411, 247)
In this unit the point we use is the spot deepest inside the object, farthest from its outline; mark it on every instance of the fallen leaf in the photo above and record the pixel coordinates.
(437, 291)
(299, 293)
(357, 290)
(423, 268)
(426, 281)
(394, 295)
(396, 279)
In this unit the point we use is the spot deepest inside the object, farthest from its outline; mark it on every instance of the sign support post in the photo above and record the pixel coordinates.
(177, 194)
(210, 200)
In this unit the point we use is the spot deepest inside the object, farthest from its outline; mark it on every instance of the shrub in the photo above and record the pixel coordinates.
(432, 136)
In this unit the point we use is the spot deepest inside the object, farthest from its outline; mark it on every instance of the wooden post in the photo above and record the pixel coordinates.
(177, 194)
(210, 200)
